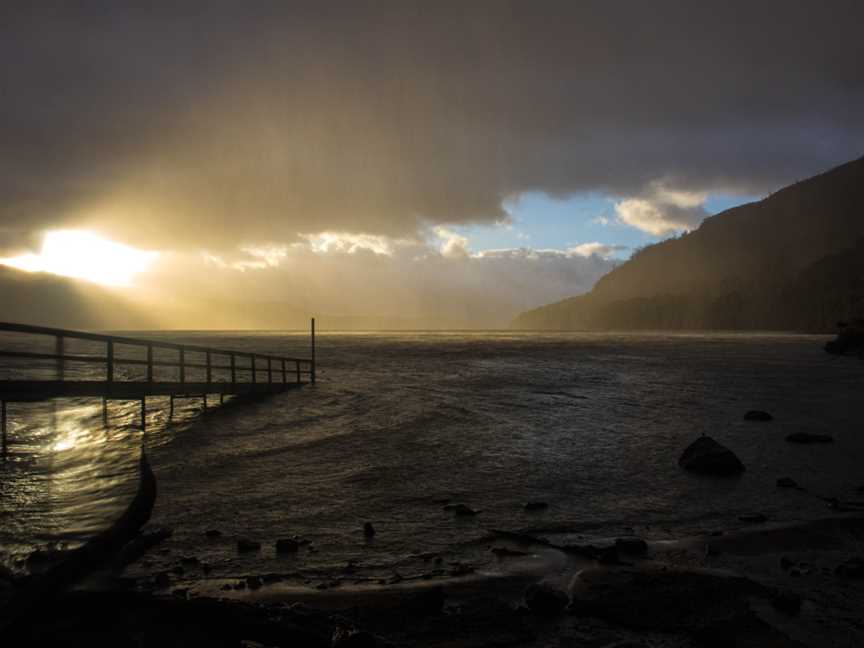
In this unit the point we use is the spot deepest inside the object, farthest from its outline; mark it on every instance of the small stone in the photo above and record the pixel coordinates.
(189, 561)
(353, 638)
(213, 533)
(254, 582)
(809, 437)
(245, 545)
(758, 415)
(542, 598)
(162, 580)
(460, 509)
(786, 482)
(287, 545)
(461, 569)
(631, 545)
(786, 563)
(536, 506)
(368, 530)
(754, 518)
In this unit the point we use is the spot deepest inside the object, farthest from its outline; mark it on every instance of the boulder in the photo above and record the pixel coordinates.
(809, 437)
(758, 415)
(368, 530)
(849, 339)
(543, 598)
(707, 456)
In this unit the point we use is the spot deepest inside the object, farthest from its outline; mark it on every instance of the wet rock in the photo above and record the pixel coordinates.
(254, 582)
(287, 545)
(536, 506)
(461, 569)
(852, 568)
(758, 415)
(809, 437)
(460, 509)
(368, 530)
(753, 518)
(352, 638)
(543, 598)
(707, 456)
(503, 552)
(245, 545)
(631, 545)
(787, 602)
(786, 482)
(213, 533)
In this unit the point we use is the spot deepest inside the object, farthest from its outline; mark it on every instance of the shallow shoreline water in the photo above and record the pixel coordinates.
(398, 424)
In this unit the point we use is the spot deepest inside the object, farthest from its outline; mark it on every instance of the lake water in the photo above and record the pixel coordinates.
(398, 423)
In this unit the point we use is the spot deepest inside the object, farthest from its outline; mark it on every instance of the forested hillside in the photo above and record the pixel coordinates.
(793, 261)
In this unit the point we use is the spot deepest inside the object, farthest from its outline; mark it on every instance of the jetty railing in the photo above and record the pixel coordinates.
(242, 372)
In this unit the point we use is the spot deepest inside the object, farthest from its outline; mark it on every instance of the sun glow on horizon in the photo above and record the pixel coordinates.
(80, 254)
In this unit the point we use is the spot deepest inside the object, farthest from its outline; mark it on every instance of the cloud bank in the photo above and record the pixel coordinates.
(218, 124)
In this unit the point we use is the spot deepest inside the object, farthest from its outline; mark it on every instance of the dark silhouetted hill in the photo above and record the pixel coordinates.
(793, 261)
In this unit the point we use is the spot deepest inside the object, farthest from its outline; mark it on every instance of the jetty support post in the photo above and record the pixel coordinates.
(3, 426)
(312, 365)
(143, 413)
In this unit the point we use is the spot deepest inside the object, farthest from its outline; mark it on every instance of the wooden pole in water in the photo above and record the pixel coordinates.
(3, 425)
(312, 371)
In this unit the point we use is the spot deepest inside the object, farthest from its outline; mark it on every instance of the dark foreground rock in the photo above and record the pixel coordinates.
(543, 598)
(707, 456)
(809, 437)
(667, 600)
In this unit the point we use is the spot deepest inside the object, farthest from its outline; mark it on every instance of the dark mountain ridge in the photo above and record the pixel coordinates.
(792, 261)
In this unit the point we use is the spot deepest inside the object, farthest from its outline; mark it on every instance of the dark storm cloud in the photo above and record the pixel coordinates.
(231, 122)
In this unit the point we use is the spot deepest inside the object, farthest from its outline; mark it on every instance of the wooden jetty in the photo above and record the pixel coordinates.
(216, 371)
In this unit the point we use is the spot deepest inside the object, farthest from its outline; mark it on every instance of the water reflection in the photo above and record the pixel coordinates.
(67, 475)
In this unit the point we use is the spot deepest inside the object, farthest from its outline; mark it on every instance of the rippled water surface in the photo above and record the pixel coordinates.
(398, 423)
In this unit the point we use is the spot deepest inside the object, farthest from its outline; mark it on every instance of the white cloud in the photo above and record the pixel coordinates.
(602, 250)
(663, 210)
(454, 245)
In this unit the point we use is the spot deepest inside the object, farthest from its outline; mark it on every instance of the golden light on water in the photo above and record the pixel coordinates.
(85, 255)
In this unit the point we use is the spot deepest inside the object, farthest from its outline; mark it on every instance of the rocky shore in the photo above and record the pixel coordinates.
(765, 585)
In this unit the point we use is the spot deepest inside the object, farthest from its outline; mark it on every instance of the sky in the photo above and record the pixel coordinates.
(448, 161)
